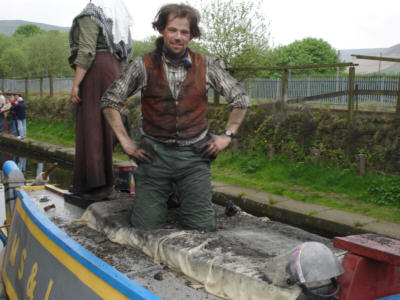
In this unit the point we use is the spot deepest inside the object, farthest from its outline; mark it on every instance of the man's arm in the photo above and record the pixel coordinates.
(113, 118)
(131, 80)
(221, 142)
(238, 100)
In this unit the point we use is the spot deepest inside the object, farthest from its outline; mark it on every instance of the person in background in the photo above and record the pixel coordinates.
(12, 118)
(175, 145)
(99, 40)
(20, 114)
(2, 103)
(5, 112)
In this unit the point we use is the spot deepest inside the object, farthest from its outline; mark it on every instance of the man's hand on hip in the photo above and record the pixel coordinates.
(134, 151)
(215, 145)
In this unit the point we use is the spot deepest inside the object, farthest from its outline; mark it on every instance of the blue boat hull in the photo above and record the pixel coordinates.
(42, 262)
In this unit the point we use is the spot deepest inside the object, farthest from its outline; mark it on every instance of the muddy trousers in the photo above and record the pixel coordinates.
(190, 172)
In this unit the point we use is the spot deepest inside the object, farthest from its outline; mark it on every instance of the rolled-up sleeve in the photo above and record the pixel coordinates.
(226, 85)
(129, 82)
(88, 35)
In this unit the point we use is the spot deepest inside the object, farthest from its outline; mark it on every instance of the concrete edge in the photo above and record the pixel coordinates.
(310, 222)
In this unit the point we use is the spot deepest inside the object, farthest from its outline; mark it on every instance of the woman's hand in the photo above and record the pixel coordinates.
(79, 75)
(75, 94)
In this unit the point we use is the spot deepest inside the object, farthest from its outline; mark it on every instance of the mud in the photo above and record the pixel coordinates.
(244, 253)
(157, 278)
(380, 239)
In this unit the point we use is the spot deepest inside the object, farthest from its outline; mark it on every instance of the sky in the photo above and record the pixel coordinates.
(344, 24)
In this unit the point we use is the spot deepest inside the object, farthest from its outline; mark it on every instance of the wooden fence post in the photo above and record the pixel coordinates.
(41, 87)
(361, 163)
(51, 86)
(26, 88)
(398, 99)
(315, 156)
(351, 94)
(235, 146)
(285, 79)
(271, 152)
(216, 98)
(356, 96)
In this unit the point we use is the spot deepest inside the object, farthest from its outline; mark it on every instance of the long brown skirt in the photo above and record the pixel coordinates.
(93, 167)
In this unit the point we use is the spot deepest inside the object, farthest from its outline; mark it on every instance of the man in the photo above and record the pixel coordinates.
(20, 113)
(175, 146)
(2, 103)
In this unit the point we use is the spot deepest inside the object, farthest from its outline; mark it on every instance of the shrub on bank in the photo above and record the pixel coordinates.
(300, 133)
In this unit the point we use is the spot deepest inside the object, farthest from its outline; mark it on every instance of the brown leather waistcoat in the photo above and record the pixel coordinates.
(166, 117)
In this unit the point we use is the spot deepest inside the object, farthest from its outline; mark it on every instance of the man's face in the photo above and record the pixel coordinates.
(177, 35)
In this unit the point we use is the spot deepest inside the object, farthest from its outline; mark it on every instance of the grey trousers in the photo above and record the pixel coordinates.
(153, 183)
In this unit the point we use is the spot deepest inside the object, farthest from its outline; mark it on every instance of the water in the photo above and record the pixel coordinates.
(32, 165)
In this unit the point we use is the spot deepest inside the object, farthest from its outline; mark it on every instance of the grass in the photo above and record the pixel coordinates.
(56, 133)
(372, 195)
(59, 133)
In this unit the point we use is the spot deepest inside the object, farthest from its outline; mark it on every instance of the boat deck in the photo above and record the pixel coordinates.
(158, 278)
(245, 256)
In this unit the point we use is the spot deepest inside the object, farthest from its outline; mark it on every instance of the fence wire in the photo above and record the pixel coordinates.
(265, 89)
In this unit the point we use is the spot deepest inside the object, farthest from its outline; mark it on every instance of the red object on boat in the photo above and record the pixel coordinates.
(131, 185)
(125, 181)
(123, 169)
(371, 267)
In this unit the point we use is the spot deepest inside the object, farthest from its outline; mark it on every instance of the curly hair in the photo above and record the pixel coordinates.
(178, 11)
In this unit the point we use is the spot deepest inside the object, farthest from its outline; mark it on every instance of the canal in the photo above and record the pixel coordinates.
(31, 165)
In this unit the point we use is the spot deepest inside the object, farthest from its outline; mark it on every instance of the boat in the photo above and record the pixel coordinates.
(41, 262)
(246, 258)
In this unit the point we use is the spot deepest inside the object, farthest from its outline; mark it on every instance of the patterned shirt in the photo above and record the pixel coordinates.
(134, 79)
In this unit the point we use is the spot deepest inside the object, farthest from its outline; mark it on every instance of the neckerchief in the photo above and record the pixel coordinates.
(184, 59)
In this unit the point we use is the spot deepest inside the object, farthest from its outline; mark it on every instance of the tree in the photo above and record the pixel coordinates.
(28, 30)
(235, 32)
(4, 44)
(13, 62)
(47, 53)
(142, 47)
(305, 52)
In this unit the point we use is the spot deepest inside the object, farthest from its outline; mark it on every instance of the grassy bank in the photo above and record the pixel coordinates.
(56, 132)
(372, 195)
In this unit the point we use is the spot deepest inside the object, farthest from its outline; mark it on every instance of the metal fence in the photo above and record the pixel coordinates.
(298, 88)
(59, 84)
(263, 88)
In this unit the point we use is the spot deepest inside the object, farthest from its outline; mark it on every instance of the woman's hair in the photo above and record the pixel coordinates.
(178, 11)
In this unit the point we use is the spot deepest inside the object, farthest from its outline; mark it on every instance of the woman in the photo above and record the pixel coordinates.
(5, 112)
(100, 40)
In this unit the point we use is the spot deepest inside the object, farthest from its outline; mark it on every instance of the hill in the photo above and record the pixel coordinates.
(373, 66)
(9, 26)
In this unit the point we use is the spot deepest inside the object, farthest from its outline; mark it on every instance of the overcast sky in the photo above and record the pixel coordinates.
(345, 24)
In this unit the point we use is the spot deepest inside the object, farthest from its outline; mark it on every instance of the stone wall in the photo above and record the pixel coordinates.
(317, 135)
